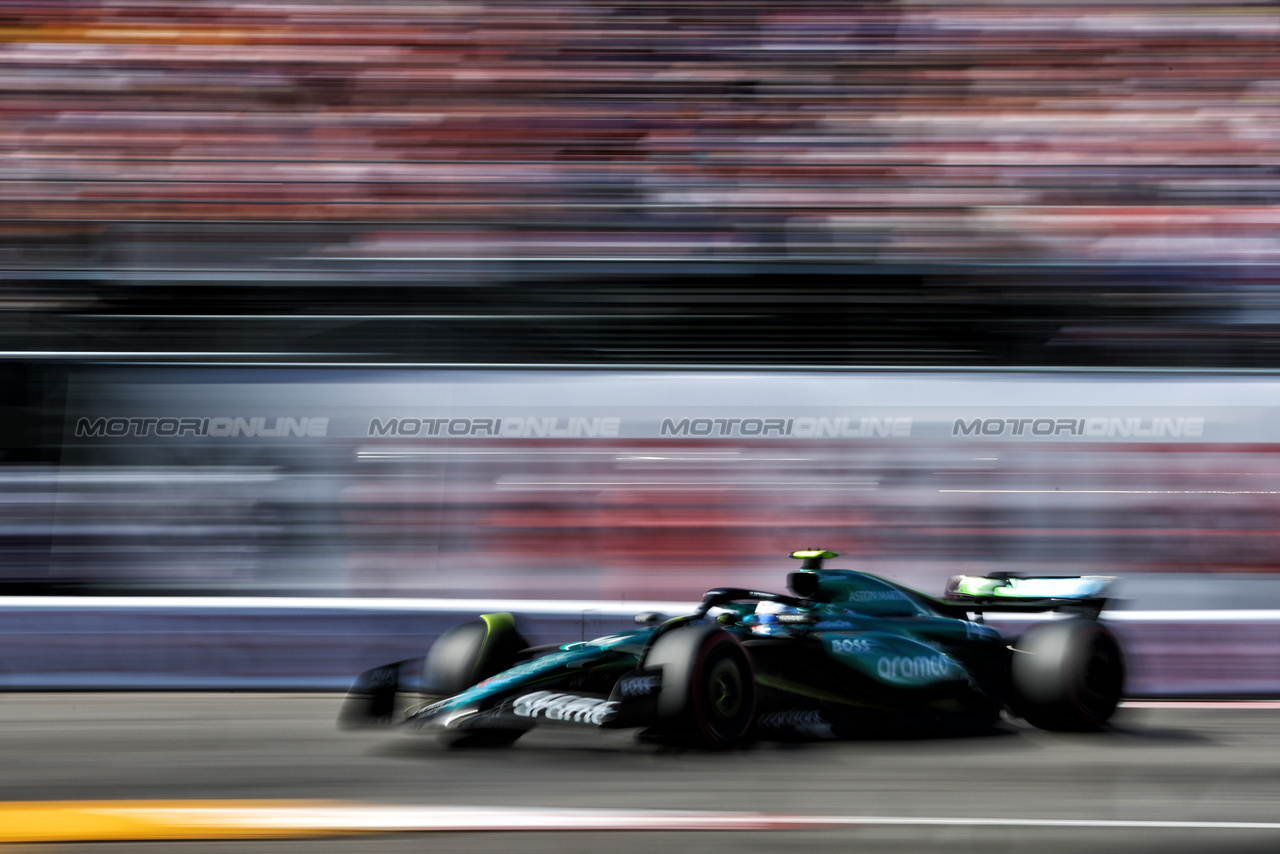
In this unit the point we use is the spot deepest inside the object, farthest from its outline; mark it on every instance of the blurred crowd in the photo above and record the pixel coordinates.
(635, 521)
(1133, 132)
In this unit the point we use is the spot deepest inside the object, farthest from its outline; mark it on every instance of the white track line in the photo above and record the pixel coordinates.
(561, 607)
(98, 821)
(1220, 615)
(348, 818)
(1273, 705)
(569, 607)
(1225, 615)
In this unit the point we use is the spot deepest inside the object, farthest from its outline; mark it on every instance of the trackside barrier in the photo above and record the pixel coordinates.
(1193, 653)
(320, 644)
(267, 644)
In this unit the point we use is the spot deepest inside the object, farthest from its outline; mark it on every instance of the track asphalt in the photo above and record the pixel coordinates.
(239, 773)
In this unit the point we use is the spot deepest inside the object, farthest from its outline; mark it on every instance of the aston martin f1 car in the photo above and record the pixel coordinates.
(844, 654)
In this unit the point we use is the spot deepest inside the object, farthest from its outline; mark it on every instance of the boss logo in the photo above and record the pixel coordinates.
(851, 645)
(639, 686)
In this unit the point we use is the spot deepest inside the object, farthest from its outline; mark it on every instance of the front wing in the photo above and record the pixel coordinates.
(392, 695)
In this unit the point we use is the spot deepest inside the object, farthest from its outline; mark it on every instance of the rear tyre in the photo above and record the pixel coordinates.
(708, 695)
(470, 653)
(1067, 676)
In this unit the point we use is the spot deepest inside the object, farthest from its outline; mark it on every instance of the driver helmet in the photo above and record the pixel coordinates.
(765, 620)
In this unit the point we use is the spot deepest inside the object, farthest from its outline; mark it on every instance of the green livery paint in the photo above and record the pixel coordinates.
(893, 659)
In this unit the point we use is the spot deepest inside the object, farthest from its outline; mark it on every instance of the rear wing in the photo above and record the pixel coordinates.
(1085, 595)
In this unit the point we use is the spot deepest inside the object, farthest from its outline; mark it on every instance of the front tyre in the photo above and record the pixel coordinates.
(471, 652)
(1067, 676)
(467, 654)
(708, 691)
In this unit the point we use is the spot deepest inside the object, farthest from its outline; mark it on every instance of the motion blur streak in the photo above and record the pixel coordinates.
(121, 820)
(580, 301)
(597, 182)
(693, 132)
(638, 485)
(1160, 766)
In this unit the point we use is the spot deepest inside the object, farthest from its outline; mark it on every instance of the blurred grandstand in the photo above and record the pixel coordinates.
(574, 183)
(592, 182)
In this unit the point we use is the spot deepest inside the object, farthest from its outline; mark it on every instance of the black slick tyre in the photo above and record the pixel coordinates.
(470, 653)
(708, 695)
(1067, 675)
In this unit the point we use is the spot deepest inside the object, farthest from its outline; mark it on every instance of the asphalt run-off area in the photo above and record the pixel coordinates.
(251, 772)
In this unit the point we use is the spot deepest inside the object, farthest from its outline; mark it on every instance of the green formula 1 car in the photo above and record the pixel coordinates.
(846, 654)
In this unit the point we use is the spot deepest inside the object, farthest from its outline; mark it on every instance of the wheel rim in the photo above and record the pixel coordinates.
(724, 690)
